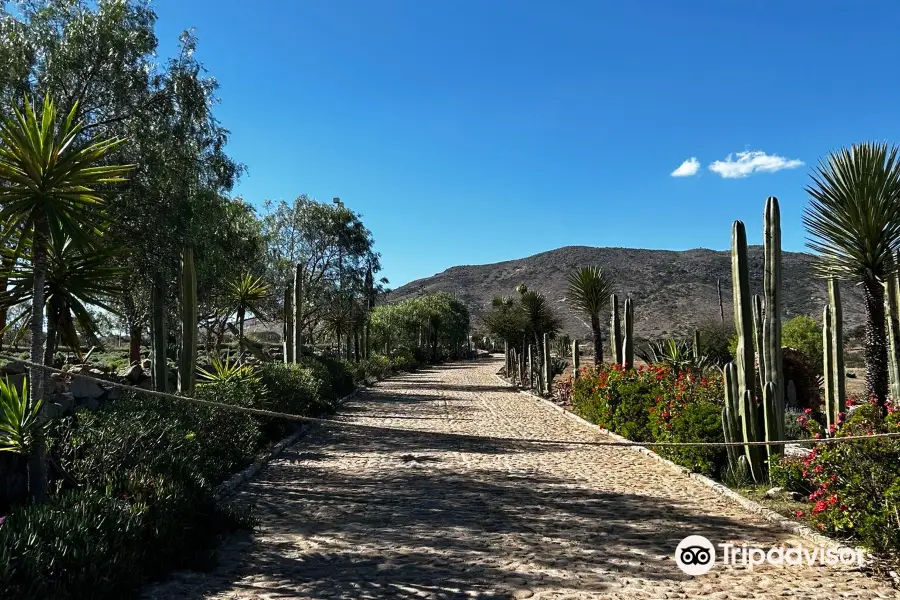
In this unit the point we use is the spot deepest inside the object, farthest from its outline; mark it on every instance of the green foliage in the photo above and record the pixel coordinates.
(677, 355)
(19, 419)
(226, 371)
(717, 342)
(298, 388)
(656, 404)
(788, 473)
(103, 544)
(803, 333)
(436, 322)
(856, 485)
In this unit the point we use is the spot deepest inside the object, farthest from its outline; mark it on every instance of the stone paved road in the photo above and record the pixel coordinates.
(418, 514)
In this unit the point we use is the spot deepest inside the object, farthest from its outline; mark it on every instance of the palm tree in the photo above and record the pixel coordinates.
(246, 293)
(51, 171)
(853, 221)
(589, 292)
(75, 279)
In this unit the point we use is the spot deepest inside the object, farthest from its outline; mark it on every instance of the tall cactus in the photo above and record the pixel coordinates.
(696, 348)
(628, 335)
(298, 312)
(159, 369)
(758, 313)
(892, 301)
(828, 366)
(531, 354)
(743, 314)
(615, 330)
(740, 423)
(521, 358)
(576, 359)
(187, 358)
(508, 358)
(288, 329)
(548, 371)
(772, 356)
(837, 347)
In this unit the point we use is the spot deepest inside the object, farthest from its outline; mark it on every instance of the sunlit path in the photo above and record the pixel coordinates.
(355, 514)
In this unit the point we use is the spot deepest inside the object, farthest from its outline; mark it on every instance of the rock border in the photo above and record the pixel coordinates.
(801, 531)
(230, 486)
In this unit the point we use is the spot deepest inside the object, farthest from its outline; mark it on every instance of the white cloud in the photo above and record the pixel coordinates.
(743, 164)
(687, 168)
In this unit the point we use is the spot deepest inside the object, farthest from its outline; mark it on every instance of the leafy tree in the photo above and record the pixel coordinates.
(51, 174)
(853, 222)
(803, 333)
(247, 293)
(589, 292)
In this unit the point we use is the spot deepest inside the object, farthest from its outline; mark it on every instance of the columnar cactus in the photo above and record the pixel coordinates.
(615, 330)
(828, 366)
(771, 355)
(298, 312)
(892, 301)
(508, 358)
(187, 358)
(740, 423)
(288, 328)
(836, 341)
(696, 348)
(758, 338)
(521, 359)
(628, 336)
(576, 359)
(743, 314)
(548, 371)
(530, 367)
(159, 369)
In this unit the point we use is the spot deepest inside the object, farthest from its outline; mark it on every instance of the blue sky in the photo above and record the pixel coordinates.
(469, 132)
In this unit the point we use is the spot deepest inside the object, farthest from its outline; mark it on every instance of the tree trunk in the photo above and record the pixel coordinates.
(134, 343)
(242, 312)
(356, 344)
(598, 339)
(37, 461)
(876, 344)
(368, 346)
(50, 343)
(159, 368)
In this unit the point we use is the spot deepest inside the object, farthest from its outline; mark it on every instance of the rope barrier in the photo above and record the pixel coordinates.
(331, 422)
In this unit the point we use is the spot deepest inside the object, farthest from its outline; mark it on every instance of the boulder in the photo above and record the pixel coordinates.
(132, 374)
(12, 368)
(85, 388)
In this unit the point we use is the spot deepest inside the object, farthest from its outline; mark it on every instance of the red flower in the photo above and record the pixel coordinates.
(821, 526)
(798, 514)
(808, 411)
(819, 507)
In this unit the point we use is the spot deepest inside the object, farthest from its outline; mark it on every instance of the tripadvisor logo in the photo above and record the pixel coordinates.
(696, 555)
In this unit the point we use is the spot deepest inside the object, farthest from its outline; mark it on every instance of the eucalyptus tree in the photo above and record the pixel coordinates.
(853, 222)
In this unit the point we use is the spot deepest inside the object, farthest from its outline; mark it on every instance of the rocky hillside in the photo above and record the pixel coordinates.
(673, 291)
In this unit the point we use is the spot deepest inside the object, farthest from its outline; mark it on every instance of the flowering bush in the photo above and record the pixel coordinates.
(855, 485)
(692, 412)
(620, 399)
(656, 404)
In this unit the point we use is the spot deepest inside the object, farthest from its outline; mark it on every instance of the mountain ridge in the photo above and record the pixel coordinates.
(674, 291)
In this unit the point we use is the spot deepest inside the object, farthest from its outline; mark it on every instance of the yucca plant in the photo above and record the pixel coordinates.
(20, 422)
(50, 171)
(247, 293)
(589, 292)
(853, 222)
(76, 278)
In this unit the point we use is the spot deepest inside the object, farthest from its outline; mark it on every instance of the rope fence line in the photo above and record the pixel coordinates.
(331, 422)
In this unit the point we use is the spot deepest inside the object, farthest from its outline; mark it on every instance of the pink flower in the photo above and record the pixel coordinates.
(808, 411)
(798, 514)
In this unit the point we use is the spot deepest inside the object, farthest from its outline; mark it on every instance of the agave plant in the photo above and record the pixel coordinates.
(226, 371)
(20, 422)
(679, 355)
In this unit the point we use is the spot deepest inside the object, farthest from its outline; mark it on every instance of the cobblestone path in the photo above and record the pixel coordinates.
(418, 514)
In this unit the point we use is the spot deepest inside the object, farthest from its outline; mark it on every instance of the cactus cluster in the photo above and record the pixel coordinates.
(758, 325)
(628, 335)
(621, 342)
(615, 330)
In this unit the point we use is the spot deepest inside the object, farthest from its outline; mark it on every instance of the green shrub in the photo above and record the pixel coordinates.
(104, 544)
(177, 438)
(339, 375)
(803, 333)
(302, 389)
(405, 360)
(788, 472)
